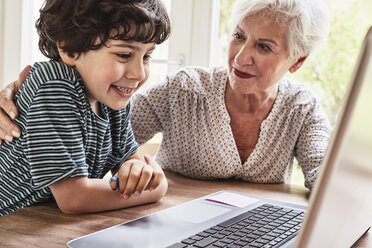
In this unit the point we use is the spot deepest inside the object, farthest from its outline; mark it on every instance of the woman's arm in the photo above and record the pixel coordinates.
(8, 110)
(84, 195)
(151, 111)
(312, 144)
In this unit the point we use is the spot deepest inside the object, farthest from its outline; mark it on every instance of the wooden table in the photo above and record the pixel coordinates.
(43, 225)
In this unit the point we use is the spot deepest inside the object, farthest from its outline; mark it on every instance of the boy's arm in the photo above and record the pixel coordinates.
(85, 195)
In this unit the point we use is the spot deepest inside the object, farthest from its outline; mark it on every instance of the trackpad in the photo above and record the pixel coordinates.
(197, 212)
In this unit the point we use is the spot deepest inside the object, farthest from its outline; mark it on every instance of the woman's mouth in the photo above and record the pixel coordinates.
(241, 74)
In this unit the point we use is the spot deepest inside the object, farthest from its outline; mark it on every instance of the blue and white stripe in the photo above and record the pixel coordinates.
(61, 137)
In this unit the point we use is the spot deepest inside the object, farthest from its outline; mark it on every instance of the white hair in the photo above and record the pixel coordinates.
(307, 21)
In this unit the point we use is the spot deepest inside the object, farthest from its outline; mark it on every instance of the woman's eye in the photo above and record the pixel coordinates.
(264, 47)
(237, 36)
(123, 55)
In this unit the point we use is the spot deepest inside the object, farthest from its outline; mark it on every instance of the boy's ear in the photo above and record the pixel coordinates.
(67, 58)
(297, 65)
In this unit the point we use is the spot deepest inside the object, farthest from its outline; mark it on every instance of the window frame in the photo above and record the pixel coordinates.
(194, 32)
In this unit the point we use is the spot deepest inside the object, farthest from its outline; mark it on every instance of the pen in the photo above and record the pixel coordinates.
(114, 183)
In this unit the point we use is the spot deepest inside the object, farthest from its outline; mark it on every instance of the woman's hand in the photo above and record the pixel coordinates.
(8, 110)
(135, 176)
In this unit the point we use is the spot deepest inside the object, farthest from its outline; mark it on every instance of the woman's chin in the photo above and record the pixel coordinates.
(241, 88)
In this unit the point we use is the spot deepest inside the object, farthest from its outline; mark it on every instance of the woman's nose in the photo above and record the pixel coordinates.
(245, 55)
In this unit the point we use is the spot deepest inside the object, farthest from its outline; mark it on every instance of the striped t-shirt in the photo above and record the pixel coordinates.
(61, 137)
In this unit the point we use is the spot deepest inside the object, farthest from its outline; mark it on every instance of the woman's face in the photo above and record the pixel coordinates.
(257, 55)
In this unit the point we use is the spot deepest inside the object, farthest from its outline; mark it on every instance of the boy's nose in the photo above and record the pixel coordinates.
(135, 71)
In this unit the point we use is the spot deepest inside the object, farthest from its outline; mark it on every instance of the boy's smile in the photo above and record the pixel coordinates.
(124, 92)
(114, 72)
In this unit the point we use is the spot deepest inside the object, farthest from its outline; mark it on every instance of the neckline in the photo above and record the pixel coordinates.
(263, 125)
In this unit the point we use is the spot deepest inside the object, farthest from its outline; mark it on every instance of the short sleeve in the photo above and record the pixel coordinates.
(312, 143)
(53, 141)
(151, 112)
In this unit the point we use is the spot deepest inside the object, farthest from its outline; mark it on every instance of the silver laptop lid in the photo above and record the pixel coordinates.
(341, 205)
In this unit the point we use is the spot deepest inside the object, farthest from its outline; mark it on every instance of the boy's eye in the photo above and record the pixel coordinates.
(123, 55)
(147, 57)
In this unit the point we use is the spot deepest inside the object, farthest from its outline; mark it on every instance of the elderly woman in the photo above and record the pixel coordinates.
(247, 121)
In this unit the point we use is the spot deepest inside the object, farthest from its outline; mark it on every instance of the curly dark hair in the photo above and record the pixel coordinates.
(76, 24)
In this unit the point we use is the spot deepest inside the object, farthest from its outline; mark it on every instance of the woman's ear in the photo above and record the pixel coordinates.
(67, 58)
(297, 65)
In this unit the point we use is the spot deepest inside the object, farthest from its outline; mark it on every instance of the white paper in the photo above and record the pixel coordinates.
(232, 199)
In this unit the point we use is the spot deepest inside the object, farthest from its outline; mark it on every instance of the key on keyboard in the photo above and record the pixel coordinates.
(265, 226)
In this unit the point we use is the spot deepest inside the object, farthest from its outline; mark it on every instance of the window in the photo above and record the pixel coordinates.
(329, 72)
(29, 44)
(194, 31)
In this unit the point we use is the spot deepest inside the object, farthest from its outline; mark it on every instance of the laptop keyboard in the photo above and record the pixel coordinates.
(265, 226)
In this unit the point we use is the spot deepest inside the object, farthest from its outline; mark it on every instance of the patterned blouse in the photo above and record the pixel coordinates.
(188, 107)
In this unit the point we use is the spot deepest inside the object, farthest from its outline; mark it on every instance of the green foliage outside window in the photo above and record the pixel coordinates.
(329, 71)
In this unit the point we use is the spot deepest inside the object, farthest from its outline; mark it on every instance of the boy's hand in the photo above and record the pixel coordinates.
(158, 174)
(8, 110)
(136, 176)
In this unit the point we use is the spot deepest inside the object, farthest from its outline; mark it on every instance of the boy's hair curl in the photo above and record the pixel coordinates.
(77, 24)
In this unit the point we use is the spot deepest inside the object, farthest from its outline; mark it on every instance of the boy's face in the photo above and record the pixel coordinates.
(114, 72)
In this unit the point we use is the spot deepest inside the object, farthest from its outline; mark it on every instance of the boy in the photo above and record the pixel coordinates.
(74, 109)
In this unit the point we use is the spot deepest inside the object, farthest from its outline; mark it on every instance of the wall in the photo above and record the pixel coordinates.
(10, 40)
(194, 31)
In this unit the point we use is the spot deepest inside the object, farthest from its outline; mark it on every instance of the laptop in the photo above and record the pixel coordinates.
(339, 212)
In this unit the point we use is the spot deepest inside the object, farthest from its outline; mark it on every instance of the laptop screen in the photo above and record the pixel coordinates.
(340, 207)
